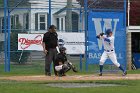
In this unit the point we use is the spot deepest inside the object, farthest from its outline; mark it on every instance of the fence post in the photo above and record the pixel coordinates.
(5, 34)
(125, 25)
(49, 22)
(8, 49)
(86, 36)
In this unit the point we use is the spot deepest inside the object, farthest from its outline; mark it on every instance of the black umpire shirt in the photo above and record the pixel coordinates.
(50, 39)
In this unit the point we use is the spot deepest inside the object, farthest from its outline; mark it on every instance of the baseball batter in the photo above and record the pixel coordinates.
(109, 50)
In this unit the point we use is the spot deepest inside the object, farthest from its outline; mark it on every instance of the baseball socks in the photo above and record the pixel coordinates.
(101, 69)
(124, 72)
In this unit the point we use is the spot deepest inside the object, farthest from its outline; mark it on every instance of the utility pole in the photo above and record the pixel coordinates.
(69, 16)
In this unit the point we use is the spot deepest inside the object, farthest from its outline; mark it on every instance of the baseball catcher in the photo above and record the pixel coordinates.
(62, 65)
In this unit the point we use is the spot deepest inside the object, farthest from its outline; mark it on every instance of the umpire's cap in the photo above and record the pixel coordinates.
(108, 31)
(52, 27)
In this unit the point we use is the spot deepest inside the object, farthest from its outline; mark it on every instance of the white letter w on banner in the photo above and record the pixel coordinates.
(101, 24)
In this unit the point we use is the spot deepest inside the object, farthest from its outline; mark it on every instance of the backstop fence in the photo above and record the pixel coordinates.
(76, 27)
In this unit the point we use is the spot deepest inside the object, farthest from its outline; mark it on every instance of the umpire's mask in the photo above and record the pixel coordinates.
(62, 50)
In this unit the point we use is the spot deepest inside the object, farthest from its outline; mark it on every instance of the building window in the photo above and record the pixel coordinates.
(74, 22)
(40, 21)
(60, 22)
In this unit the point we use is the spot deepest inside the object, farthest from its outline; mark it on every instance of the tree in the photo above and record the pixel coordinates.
(15, 54)
(69, 16)
(1, 3)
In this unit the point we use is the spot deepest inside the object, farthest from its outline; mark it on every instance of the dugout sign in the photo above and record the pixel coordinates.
(98, 22)
(74, 42)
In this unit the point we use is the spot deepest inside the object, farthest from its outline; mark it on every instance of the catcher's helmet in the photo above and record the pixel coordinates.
(108, 31)
(62, 49)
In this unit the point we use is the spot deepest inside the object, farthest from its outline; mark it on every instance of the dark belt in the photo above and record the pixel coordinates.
(109, 50)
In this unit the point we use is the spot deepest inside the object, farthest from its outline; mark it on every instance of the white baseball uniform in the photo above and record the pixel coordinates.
(109, 50)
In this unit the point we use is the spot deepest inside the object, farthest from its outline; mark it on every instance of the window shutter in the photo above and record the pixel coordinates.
(26, 21)
(0, 25)
(14, 24)
(47, 21)
(36, 21)
(57, 23)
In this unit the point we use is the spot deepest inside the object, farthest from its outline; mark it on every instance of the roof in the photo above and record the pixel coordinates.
(58, 4)
(61, 10)
(13, 3)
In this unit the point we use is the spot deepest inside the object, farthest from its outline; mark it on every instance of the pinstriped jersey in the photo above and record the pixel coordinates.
(108, 42)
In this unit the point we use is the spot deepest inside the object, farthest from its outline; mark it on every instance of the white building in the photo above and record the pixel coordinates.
(33, 15)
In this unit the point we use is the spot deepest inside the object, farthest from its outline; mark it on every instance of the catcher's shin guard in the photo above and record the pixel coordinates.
(60, 73)
(65, 68)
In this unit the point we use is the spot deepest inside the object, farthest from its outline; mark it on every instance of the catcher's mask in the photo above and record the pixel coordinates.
(62, 50)
(108, 31)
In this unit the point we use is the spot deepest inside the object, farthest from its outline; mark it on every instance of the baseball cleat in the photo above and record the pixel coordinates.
(124, 73)
(100, 74)
(48, 74)
(64, 75)
(59, 74)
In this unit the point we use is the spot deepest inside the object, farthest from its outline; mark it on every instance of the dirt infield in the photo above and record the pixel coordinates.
(74, 77)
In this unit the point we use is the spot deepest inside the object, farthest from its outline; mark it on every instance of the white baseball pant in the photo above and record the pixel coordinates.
(111, 55)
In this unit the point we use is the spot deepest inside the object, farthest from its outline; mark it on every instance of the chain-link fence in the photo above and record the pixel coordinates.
(35, 16)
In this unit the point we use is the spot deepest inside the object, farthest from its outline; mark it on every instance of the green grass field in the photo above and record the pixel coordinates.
(37, 68)
(40, 87)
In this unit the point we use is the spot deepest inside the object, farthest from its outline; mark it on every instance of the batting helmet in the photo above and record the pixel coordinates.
(108, 31)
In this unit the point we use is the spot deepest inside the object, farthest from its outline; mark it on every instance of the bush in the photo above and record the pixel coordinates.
(1, 45)
(15, 54)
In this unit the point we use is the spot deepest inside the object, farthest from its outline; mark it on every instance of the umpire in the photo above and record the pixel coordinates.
(50, 42)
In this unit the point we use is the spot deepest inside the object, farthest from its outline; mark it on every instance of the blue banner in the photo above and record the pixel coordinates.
(98, 22)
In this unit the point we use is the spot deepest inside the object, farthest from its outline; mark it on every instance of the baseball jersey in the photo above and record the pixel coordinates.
(108, 42)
